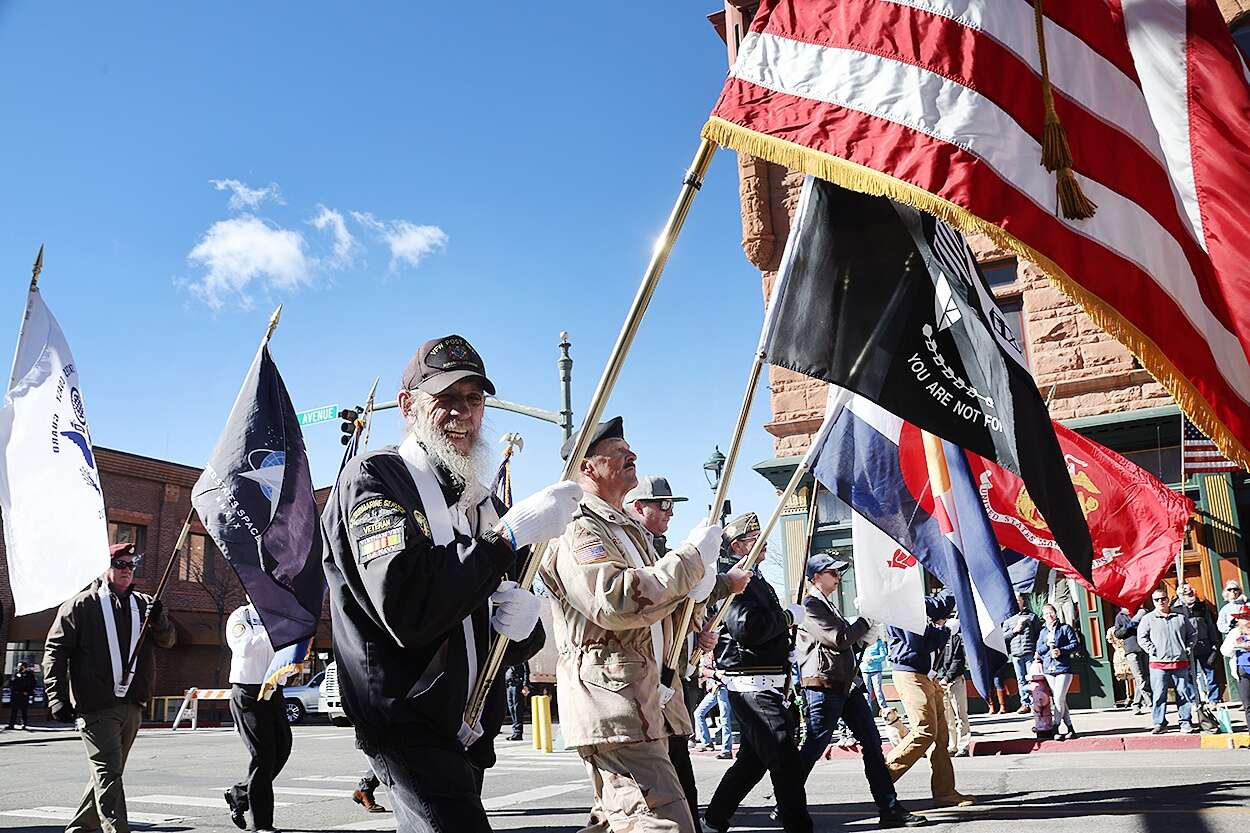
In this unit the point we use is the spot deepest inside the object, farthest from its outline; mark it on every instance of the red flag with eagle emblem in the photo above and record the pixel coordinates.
(1137, 524)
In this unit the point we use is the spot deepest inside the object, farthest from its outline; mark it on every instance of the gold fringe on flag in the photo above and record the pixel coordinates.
(1056, 153)
(868, 181)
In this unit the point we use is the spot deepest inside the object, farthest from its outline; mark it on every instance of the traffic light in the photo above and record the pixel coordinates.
(351, 419)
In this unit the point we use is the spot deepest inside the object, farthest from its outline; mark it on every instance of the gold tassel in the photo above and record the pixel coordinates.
(1056, 153)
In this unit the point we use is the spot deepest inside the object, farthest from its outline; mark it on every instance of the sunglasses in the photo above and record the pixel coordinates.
(124, 564)
(664, 505)
(1159, 598)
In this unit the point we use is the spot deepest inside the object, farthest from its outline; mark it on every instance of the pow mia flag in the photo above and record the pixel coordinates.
(255, 498)
(888, 302)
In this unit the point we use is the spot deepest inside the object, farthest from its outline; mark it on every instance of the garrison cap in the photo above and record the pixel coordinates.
(826, 562)
(652, 487)
(124, 548)
(613, 428)
(441, 362)
(740, 526)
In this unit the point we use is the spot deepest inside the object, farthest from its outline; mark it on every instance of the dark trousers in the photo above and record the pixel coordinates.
(824, 707)
(267, 735)
(768, 730)
(368, 782)
(18, 704)
(679, 754)
(434, 789)
(516, 709)
(1243, 691)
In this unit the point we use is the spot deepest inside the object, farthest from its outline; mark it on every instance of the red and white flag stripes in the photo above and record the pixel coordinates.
(938, 103)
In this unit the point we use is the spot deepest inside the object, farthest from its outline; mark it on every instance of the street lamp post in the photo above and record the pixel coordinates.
(712, 471)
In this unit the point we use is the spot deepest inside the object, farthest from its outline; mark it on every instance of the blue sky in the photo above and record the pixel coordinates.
(495, 170)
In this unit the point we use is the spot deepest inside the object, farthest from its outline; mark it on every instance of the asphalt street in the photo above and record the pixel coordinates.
(174, 782)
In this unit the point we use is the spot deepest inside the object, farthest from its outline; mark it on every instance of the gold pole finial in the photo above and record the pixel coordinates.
(273, 322)
(37, 268)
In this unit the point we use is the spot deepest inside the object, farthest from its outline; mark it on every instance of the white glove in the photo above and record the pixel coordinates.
(541, 516)
(516, 611)
(666, 694)
(797, 614)
(705, 539)
(468, 735)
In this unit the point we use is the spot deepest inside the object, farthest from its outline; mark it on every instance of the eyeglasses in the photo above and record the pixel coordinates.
(1160, 598)
(664, 505)
(470, 401)
(120, 564)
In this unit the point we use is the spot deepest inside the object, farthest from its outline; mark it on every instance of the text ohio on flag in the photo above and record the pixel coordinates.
(939, 104)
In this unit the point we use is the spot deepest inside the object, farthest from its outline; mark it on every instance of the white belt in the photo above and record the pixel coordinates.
(754, 682)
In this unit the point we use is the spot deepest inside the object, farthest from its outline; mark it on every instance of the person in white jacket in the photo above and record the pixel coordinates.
(1237, 648)
(261, 723)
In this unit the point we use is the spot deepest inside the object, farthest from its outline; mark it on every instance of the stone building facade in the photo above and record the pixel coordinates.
(1091, 382)
(147, 501)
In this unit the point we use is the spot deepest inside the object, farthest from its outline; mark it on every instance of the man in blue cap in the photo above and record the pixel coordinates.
(833, 689)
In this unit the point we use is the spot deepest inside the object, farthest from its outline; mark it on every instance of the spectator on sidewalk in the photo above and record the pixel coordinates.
(1021, 631)
(1055, 645)
(717, 697)
(911, 657)
(952, 663)
(1234, 601)
(1167, 638)
(1237, 648)
(1138, 663)
(1207, 639)
(517, 678)
(996, 699)
(872, 669)
(21, 690)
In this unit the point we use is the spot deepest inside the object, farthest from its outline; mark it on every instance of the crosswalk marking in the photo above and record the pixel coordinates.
(305, 791)
(67, 813)
(187, 801)
(532, 795)
(341, 778)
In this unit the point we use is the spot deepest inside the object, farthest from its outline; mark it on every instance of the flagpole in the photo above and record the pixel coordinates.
(807, 551)
(160, 588)
(691, 183)
(21, 330)
(752, 558)
(718, 504)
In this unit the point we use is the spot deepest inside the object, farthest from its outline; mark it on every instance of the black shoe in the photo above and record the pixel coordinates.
(902, 818)
(236, 812)
(718, 827)
(515, 737)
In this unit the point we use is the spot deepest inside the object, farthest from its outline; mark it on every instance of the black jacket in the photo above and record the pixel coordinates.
(22, 682)
(1209, 639)
(952, 662)
(1126, 629)
(755, 638)
(518, 675)
(397, 602)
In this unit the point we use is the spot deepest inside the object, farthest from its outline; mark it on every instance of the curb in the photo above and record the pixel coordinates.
(1108, 743)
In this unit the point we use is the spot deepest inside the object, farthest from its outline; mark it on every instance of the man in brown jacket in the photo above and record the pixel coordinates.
(614, 597)
(84, 662)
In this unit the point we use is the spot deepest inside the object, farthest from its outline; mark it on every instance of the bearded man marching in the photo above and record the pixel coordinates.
(418, 561)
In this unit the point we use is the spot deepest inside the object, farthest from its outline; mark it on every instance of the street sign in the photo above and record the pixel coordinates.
(325, 413)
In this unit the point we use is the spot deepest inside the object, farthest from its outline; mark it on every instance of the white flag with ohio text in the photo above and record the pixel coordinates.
(887, 578)
(55, 535)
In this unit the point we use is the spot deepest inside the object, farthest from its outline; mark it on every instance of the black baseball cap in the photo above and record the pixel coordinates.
(613, 428)
(441, 362)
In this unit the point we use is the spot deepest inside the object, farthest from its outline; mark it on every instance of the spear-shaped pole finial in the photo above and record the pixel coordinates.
(273, 323)
(36, 269)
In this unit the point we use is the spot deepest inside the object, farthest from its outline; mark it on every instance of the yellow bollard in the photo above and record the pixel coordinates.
(547, 723)
(536, 720)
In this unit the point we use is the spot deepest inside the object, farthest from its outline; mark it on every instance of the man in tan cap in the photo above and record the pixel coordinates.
(614, 597)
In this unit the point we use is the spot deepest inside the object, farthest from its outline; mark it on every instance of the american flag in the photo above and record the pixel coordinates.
(943, 105)
(1201, 456)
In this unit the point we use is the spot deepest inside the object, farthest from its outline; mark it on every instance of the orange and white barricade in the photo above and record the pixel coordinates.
(190, 704)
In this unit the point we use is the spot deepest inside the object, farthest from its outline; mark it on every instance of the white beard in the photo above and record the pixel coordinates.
(465, 470)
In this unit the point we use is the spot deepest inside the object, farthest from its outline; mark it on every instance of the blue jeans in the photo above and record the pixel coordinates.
(1208, 676)
(720, 697)
(1022, 678)
(1163, 678)
(875, 689)
(824, 708)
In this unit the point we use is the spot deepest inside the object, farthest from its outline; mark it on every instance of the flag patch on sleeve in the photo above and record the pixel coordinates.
(588, 549)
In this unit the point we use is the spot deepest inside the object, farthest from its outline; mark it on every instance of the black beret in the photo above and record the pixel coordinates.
(614, 428)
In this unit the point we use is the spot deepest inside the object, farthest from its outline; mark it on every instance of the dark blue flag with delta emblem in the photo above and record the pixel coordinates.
(255, 498)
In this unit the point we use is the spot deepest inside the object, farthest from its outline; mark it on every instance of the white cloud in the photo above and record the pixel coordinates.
(345, 244)
(245, 253)
(243, 196)
(409, 243)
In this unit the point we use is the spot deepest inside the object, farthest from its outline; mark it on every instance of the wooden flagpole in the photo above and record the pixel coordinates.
(691, 183)
(807, 548)
(718, 504)
(182, 536)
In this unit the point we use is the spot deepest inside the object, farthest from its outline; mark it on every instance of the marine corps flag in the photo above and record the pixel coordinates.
(888, 302)
(1137, 524)
(255, 498)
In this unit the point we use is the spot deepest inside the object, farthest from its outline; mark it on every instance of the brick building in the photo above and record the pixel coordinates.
(1093, 384)
(147, 502)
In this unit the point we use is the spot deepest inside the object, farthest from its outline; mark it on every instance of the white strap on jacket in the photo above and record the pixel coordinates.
(657, 628)
(442, 529)
(120, 686)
